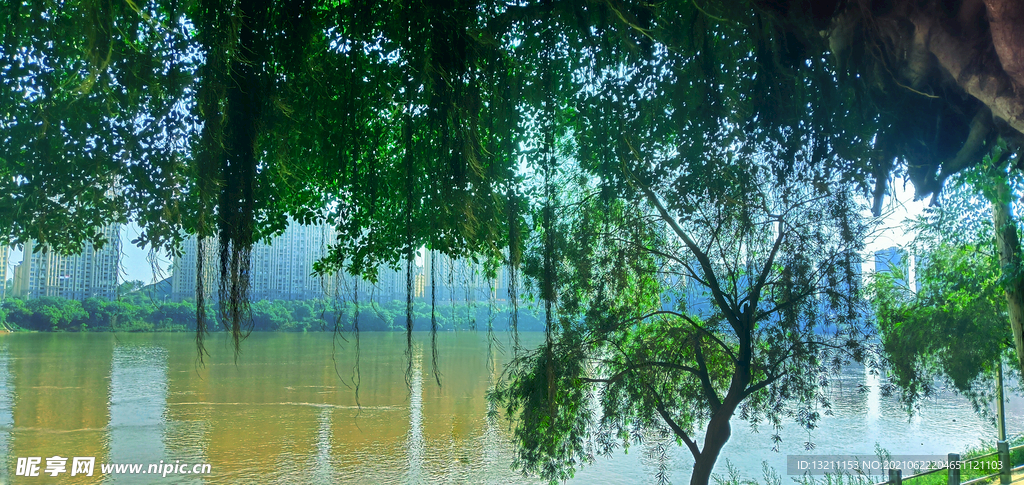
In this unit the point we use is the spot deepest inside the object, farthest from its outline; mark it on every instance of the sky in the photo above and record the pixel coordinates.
(900, 206)
(134, 265)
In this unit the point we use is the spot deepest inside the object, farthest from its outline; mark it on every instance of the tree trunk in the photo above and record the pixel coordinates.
(991, 86)
(718, 433)
(1005, 18)
(1008, 243)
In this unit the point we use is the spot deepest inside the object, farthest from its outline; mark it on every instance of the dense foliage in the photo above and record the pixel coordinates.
(583, 141)
(54, 314)
(953, 326)
(715, 282)
(954, 331)
(406, 115)
(141, 314)
(403, 124)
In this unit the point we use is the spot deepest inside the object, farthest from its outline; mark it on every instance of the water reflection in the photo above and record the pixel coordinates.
(138, 400)
(322, 462)
(60, 385)
(415, 445)
(944, 424)
(6, 417)
(284, 414)
(874, 396)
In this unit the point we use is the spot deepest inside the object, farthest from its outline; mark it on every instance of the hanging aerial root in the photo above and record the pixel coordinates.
(433, 318)
(356, 377)
(201, 328)
(234, 291)
(408, 321)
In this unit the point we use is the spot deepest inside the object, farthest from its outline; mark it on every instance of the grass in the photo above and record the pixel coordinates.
(970, 473)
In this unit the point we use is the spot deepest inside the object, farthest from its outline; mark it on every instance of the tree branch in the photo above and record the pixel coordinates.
(761, 385)
(693, 274)
(631, 368)
(694, 450)
(705, 381)
(702, 257)
(994, 88)
(708, 333)
(754, 295)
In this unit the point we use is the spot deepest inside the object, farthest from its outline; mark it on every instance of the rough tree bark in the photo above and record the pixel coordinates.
(719, 430)
(718, 433)
(1008, 243)
(989, 84)
(1006, 22)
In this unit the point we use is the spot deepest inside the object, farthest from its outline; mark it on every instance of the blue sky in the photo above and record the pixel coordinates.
(134, 265)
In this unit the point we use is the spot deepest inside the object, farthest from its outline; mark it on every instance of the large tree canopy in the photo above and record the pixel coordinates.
(323, 100)
(403, 124)
(675, 314)
(407, 124)
(943, 78)
(448, 124)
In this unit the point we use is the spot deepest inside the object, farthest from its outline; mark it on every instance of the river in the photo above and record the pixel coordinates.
(293, 409)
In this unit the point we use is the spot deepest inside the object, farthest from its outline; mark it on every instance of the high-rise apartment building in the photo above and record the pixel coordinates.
(20, 289)
(280, 270)
(91, 273)
(5, 260)
(183, 272)
(459, 280)
(283, 269)
(890, 259)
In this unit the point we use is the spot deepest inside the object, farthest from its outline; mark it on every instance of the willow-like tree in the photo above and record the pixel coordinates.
(663, 199)
(677, 314)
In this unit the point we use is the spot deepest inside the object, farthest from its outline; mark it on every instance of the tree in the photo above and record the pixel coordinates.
(962, 292)
(234, 129)
(959, 297)
(405, 146)
(269, 315)
(770, 249)
(947, 82)
(16, 312)
(944, 78)
(1007, 238)
(237, 131)
(100, 316)
(414, 124)
(130, 287)
(56, 314)
(181, 313)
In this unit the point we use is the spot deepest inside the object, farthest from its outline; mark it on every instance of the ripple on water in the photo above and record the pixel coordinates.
(277, 418)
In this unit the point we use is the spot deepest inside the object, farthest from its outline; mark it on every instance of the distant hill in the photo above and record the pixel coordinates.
(159, 291)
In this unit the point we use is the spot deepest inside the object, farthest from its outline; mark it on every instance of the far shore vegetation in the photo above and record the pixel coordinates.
(138, 311)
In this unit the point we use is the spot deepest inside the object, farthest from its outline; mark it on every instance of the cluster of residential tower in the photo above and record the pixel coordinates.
(280, 270)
